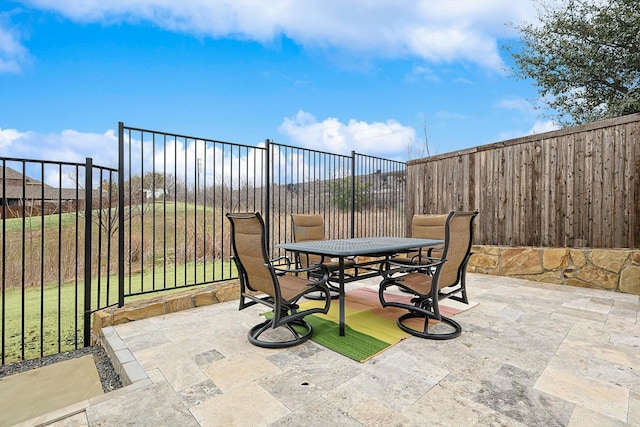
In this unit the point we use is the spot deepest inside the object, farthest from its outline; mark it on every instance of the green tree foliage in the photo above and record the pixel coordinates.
(585, 58)
(341, 192)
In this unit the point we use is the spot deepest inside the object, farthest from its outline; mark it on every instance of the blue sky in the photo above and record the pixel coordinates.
(362, 75)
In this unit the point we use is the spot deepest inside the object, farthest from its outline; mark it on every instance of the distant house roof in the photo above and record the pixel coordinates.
(33, 189)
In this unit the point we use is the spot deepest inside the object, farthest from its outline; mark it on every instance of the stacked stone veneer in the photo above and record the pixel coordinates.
(610, 269)
(157, 306)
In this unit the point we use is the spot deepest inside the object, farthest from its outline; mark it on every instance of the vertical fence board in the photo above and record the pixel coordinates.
(554, 192)
(524, 189)
(574, 187)
(598, 157)
(608, 146)
(620, 189)
(633, 178)
(567, 239)
(545, 191)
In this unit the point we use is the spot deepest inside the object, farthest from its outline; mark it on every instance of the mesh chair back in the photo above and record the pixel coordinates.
(308, 227)
(428, 226)
(249, 246)
(458, 239)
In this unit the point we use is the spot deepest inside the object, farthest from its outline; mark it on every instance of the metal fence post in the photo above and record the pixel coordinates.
(88, 203)
(267, 194)
(120, 214)
(353, 193)
(4, 267)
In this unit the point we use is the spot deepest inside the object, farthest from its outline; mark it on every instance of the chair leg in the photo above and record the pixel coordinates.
(465, 299)
(300, 335)
(424, 333)
(463, 281)
(463, 293)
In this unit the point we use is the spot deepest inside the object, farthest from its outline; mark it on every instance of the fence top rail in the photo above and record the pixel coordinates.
(344, 156)
(196, 138)
(606, 123)
(53, 162)
(309, 150)
(399, 162)
(176, 135)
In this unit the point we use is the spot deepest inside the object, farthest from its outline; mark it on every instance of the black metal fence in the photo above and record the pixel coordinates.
(357, 195)
(176, 191)
(98, 235)
(56, 239)
(175, 197)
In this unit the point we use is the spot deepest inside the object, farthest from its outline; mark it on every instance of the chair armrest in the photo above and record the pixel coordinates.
(418, 262)
(279, 262)
(392, 267)
(312, 269)
(422, 259)
(431, 249)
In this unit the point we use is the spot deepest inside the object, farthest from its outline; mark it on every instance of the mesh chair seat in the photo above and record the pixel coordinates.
(293, 287)
(263, 282)
(431, 282)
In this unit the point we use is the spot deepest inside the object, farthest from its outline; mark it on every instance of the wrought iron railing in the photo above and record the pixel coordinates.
(157, 223)
(56, 234)
(174, 201)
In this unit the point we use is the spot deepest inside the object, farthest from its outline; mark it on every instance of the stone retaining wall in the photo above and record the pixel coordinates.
(164, 304)
(608, 269)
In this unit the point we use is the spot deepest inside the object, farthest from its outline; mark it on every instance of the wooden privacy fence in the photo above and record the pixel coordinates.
(575, 187)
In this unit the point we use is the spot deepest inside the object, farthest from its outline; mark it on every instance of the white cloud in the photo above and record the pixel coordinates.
(212, 164)
(12, 53)
(8, 136)
(387, 139)
(543, 126)
(67, 146)
(510, 134)
(434, 30)
(539, 126)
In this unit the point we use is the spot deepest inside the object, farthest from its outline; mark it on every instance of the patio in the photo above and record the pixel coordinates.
(531, 354)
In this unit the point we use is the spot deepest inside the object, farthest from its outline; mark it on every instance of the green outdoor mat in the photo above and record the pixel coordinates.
(355, 345)
(369, 328)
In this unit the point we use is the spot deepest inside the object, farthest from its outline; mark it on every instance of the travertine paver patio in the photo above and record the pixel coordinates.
(531, 354)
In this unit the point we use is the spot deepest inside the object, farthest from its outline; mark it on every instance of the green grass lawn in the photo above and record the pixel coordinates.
(50, 221)
(49, 319)
(69, 219)
(50, 312)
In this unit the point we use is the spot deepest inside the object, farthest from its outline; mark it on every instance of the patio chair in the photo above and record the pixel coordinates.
(274, 284)
(432, 280)
(311, 227)
(425, 226)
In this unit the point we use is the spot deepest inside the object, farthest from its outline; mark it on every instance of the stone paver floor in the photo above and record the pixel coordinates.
(530, 354)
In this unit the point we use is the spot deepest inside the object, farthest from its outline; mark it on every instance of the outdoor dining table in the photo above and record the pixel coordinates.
(362, 246)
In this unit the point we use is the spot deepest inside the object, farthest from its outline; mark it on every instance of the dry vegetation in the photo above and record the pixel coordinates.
(36, 256)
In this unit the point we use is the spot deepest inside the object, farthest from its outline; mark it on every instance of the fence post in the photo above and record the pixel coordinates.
(121, 214)
(267, 194)
(353, 193)
(4, 268)
(88, 204)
